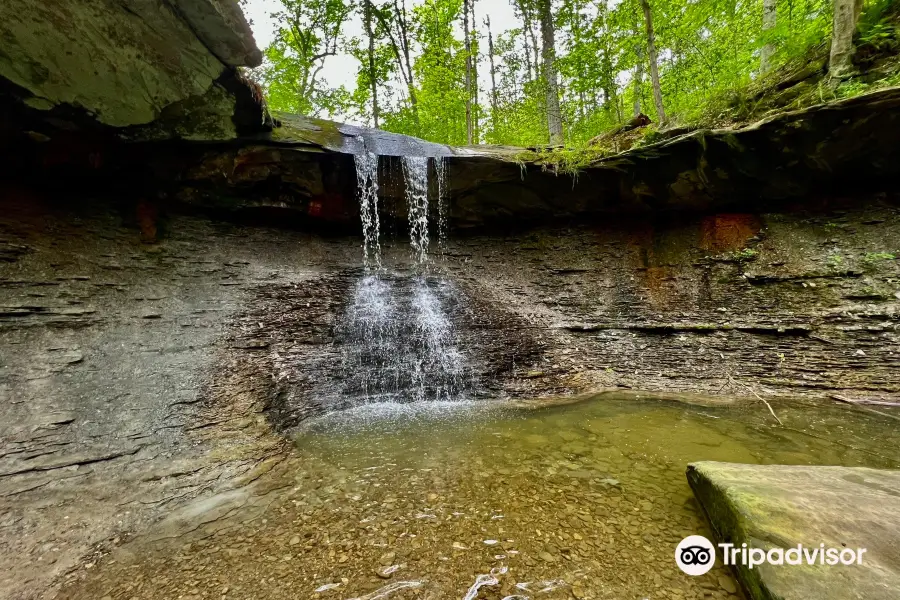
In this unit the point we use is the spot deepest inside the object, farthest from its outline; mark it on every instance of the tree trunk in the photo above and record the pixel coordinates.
(638, 81)
(528, 38)
(493, 76)
(403, 60)
(403, 26)
(654, 66)
(367, 17)
(528, 67)
(473, 46)
(554, 116)
(468, 46)
(846, 17)
(769, 19)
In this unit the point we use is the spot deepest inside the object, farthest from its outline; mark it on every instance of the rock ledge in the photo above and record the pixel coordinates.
(780, 506)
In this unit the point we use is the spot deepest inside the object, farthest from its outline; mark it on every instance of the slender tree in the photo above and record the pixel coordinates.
(526, 9)
(373, 79)
(548, 38)
(638, 79)
(310, 32)
(528, 67)
(473, 90)
(769, 18)
(846, 17)
(468, 46)
(654, 65)
(397, 29)
(494, 108)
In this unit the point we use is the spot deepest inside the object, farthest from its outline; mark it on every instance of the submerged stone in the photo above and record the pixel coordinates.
(781, 506)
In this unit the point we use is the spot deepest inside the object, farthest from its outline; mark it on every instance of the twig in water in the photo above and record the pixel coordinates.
(865, 401)
(763, 400)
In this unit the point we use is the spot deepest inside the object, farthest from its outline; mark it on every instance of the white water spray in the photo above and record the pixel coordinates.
(415, 171)
(397, 336)
(399, 342)
(442, 185)
(367, 186)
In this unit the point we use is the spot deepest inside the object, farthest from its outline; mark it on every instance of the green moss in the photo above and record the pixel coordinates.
(745, 254)
(569, 161)
(872, 257)
(318, 132)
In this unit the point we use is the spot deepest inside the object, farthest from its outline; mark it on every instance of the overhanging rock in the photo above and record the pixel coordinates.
(124, 64)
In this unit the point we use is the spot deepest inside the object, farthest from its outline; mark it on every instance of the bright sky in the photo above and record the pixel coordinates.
(341, 69)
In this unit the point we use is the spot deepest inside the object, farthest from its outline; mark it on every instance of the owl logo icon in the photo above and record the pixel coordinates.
(695, 555)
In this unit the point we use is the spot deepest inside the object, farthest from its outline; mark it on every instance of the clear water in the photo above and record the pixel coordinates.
(478, 500)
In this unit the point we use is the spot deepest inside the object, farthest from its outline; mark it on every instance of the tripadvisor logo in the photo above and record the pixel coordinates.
(696, 555)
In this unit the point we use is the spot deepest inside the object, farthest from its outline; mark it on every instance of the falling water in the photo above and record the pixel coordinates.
(399, 341)
(397, 335)
(442, 184)
(367, 186)
(415, 170)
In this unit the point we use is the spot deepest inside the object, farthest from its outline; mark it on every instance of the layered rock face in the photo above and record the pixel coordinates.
(846, 147)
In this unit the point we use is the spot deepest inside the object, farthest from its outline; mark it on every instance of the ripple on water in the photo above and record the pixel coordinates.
(393, 417)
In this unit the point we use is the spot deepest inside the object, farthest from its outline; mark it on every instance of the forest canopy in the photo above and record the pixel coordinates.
(570, 70)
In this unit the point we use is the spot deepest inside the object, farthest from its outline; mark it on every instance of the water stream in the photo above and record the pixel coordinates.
(399, 342)
(434, 500)
(415, 172)
(367, 186)
(442, 189)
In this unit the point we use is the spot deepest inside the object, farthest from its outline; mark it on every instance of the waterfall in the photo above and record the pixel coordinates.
(397, 336)
(367, 186)
(399, 341)
(415, 171)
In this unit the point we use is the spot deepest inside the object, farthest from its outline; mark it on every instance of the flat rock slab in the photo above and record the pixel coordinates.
(782, 506)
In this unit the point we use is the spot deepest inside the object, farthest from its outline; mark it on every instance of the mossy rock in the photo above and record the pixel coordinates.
(781, 506)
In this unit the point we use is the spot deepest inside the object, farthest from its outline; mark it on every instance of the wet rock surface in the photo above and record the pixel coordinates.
(107, 346)
(296, 337)
(144, 355)
(799, 304)
(778, 506)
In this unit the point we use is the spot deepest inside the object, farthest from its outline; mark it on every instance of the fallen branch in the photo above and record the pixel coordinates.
(865, 401)
(859, 404)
